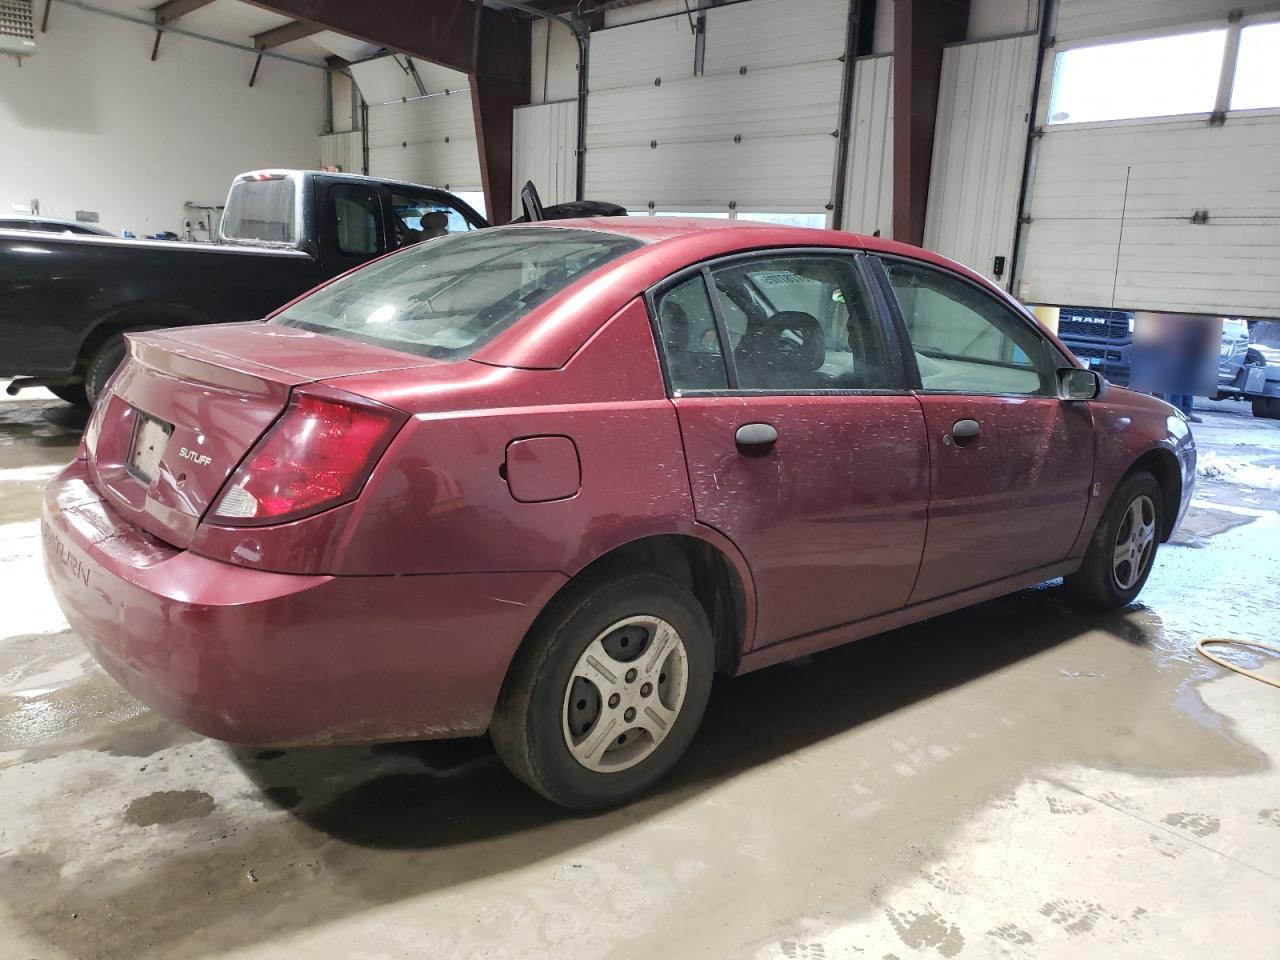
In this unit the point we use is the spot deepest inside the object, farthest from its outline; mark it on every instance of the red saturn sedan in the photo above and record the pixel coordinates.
(544, 481)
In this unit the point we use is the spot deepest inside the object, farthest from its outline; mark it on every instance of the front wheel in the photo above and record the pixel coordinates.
(1123, 549)
(607, 693)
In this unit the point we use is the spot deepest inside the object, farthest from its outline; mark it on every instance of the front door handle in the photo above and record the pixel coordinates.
(756, 435)
(965, 429)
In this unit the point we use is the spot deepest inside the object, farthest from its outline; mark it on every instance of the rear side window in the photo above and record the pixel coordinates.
(445, 298)
(261, 211)
(358, 217)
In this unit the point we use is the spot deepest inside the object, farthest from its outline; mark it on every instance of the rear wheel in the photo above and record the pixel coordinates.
(608, 691)
(1123, 549)
(101, 365)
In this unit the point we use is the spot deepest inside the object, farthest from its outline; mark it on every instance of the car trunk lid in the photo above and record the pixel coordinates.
(188, 405)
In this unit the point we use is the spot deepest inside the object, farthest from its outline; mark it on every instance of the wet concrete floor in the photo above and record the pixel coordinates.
(1015, 780)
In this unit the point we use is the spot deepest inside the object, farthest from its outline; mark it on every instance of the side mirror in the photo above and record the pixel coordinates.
(1077, 384)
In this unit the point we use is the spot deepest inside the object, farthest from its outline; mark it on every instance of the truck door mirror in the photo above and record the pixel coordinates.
(1077, 384)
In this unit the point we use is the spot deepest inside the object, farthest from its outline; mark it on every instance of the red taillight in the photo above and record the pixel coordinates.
(317, 455)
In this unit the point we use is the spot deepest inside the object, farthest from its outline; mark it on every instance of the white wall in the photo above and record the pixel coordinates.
(90, 123)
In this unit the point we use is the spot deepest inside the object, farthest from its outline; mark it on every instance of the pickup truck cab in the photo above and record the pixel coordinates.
(66, 301)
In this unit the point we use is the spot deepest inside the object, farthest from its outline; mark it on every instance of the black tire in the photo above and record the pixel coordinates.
(102, 364)
(533, 712)
(72, 393)
(1254, 358)
(1266, 408)
(1096, 585)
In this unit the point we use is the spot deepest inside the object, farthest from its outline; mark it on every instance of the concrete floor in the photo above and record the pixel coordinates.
(1016, 780)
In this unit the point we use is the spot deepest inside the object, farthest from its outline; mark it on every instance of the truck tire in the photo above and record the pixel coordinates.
(1254, 358)
(1266, 408)
(101, 365)
(1123, 549)
(72, 393)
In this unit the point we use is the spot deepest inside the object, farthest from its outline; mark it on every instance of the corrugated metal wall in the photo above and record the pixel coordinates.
(754, 131)
(545, 137)
(345, 150)
(1092, 243)
(423, 139)
(869, 188)
(984, 109)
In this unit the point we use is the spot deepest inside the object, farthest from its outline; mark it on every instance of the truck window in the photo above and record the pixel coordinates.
(416, 218)
(358, 219)
(261, 211)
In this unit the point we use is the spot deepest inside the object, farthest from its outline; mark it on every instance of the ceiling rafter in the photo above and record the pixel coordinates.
(172, 10)
(285, 33)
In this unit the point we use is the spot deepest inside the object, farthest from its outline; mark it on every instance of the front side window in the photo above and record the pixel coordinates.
(418, 218)
(444, 299)
(1154, 77)
(966, 341)
(802, 323)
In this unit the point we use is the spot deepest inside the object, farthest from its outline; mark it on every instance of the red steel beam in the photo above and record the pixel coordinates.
(438, 31)
(920, 30)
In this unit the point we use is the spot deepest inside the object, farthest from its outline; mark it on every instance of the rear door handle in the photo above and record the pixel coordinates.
(965, 429)
(756, 435)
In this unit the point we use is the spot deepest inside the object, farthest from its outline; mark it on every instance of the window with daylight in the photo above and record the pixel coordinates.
(1257, 79)
(1154, 77)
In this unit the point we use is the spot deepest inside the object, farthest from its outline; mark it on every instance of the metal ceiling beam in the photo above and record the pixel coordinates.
(285, 33)
(171, 10)
(441, 31)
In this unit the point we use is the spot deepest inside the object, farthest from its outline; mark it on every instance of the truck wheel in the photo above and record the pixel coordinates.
(101, 365)
(1266, 408)
(73, 394)
(1123, 548)
(1254, 358)
(607, 692)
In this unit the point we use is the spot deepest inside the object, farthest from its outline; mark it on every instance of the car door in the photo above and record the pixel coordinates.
(804, 445)
(1011, 464)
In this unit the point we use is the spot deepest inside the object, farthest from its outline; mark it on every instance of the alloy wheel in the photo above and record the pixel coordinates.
(1135, 542)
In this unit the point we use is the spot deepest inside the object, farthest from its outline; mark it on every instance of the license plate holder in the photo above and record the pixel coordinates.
(150, 437)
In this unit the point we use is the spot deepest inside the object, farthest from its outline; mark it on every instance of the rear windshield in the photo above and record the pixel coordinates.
(260, 211)
(445, 297)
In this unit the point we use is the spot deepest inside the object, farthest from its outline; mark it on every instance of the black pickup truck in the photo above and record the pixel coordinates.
(66, 301)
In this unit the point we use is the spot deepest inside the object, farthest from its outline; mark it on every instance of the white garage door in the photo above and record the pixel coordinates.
(753, 133)
(1176, 210)
(980, 142)
(544, 142)
(421, 130)
(868, 205)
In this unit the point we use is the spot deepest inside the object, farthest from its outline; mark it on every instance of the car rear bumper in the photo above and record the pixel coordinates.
(269, 658)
